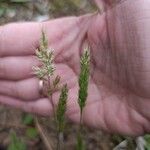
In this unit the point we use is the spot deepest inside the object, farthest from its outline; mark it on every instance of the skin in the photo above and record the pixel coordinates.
(119, 89)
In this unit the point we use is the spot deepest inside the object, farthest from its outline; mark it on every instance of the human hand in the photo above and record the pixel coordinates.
(118, 99)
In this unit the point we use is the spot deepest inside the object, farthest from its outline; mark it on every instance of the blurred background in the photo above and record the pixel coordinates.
(22, 131)
(38, 10)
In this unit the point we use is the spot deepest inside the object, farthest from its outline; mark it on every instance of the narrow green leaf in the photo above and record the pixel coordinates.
(80, 143)
(16, 143)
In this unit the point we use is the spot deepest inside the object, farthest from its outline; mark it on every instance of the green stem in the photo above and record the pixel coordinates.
(51, 98)
(55, 120)
(81, 125)
(60, 139)
(80, 145)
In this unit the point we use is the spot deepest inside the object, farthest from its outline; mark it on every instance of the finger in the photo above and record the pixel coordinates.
(19, 39)
(17, 68)
(27, 89)
(41, 106)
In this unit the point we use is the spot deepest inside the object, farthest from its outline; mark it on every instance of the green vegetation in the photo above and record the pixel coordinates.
(45, 73)
(83, 80)
(16, 143)
(27, 119)
(61, 108)
(70, 7)
(63, 7)
(83, 92)
(147, 139)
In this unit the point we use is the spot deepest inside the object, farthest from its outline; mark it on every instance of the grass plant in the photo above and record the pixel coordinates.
(46, 72)
(83, 93)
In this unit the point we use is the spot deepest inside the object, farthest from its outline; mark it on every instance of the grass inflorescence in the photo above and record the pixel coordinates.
(46, 56)
(61, 108)
(83, 92)
(84, 79)
(46, 72)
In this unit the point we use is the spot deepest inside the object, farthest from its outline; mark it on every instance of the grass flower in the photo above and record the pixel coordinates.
(46, 73)
(84, 79)
(83, 92)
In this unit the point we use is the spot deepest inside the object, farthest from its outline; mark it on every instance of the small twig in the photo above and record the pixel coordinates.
(121, 146)
(43, 135)
(60, 139)
(140, 144)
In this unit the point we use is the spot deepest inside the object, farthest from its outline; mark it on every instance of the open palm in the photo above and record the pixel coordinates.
(118, 98)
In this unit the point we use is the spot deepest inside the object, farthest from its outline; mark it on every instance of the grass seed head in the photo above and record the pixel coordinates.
(61, 108)
(84, 79)
(46, 56)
